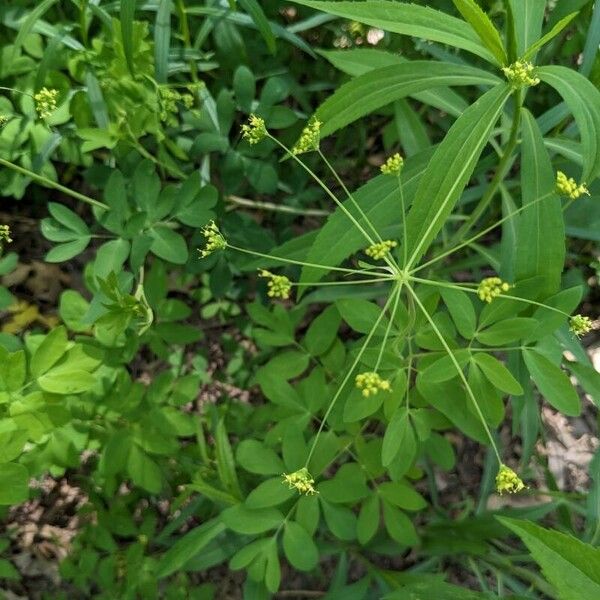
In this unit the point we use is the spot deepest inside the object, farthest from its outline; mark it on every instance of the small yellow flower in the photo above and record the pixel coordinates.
(301, 480)
(392, 165)
(567, 186)
(310, 137)
(521, 74)
(214, 239)
(380, 250)
(45, 102)
(580, 325)
(5, 234)
(255, 130)
(508, 481)
(279, 286)
(167, 99)
(491, 287)
(3, 120)
(371, 383)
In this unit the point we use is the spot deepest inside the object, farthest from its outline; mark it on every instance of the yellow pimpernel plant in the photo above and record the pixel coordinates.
(397, 266)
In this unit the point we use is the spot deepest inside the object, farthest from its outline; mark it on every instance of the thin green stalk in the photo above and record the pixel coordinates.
(357, 282)
(389, 327)
(350, 196)
(480, 234)
(458, 369)
(324, 187)
(471, 290)
(404, 231)
(53, 184)
(185, 35)
(501, 171)
(301, 263)
(388, 259)
(347, 377)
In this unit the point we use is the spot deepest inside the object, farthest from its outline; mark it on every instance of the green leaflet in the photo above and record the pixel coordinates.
(552, 383)
(253, 8)
(532, 50)
(375, 89)
(541, 231)
(483, 26)
(187, 546)
(358, 61)
(571, 566)
(408, 19)
(449, 170)
(583, 99)
(379, 199)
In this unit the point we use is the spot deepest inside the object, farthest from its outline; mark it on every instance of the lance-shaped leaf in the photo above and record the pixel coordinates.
(483, 26)
(375, 89)
(408, 19)
(583, 100)
(527, 19)
(532, 50)
(571, 566)
(541, 231)
(450, 169)
(358, 61)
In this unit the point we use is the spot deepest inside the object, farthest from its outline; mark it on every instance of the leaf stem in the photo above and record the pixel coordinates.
(459, 370)
(480, 234)
(53, 184)
(324, 187)
(299, 262)
(471, 290)
(348, 375)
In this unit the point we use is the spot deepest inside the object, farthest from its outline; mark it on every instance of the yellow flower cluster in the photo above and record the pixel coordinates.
(520, 74)
(567, 186)
(254, 130)
(302, 481)
(45, 102)
(580, 325)
(214, 239)
(3, 120)
(371, 383)
(508, 481)
(491, 287)
(279, 285)
(309, 139)
(5, 234)
(168, 99)
(392, 165)
(378, 251)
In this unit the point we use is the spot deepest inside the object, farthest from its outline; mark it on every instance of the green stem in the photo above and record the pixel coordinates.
(185, 35)
(388, 328)
(324, 187)
(480, 234)
(329, 283)
(350, 196)
(388, 259)
(53, 184)
(503, 167)
(347, 378)
(299, 262)
(459, 370)
(471, 290)
(404, 231)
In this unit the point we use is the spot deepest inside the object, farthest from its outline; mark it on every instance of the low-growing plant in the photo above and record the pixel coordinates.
(433, 302)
